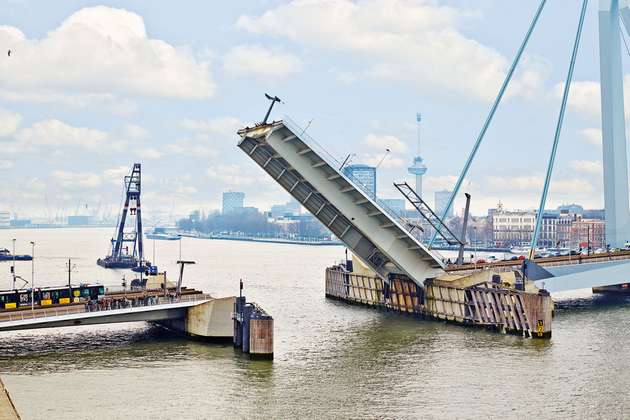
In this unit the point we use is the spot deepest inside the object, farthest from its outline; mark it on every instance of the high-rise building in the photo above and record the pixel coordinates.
(418, 168)
(441, 201)
(232, 201)
(363, 175)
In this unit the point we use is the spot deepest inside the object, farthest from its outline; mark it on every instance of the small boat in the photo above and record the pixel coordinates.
(161, 234)
(5, 255)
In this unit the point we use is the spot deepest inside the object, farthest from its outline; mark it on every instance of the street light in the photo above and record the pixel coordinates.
(32, 276)
(387, 151)
(13, 266)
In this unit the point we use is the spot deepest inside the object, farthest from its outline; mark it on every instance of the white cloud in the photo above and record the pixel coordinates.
(78, 180)
(261, 62)
(187, 147)
(382, 142)
(444, 182)
(100, 50)
(35, 184)
(135, 132)
(57, 133)
(592, 136)
(224, 126)
(535, 183)
(116, 174)
(5, 164)
(230, 175)
(109, 102)
(585, 97)
(390, 162)
(593, 167)
(149, 153)
(9, 122)
(416, 42)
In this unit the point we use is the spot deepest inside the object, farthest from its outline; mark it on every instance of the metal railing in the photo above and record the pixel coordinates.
(335, 163)
(87, 307)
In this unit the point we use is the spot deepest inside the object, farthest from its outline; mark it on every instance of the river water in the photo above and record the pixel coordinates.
(332, 360)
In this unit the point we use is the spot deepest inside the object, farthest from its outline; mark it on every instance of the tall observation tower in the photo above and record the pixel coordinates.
(418, 168)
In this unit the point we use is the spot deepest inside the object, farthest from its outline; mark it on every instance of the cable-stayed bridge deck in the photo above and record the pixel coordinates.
(373, 232)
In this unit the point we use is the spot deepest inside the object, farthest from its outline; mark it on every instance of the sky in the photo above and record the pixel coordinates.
(93, 86)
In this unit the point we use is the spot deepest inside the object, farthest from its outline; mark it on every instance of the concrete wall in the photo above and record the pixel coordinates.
(212, 319)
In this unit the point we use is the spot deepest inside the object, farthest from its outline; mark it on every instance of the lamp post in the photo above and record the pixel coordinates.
(13, 266)
(32, 276)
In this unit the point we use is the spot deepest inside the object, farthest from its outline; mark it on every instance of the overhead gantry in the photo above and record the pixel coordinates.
(376, 235)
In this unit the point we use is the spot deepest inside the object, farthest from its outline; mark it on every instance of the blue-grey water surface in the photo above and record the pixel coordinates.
(332, 360)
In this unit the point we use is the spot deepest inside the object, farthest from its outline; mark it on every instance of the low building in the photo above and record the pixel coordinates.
(291, 208)
(78, 220)
(513, 228)
(20, 222)
(587, 233)
(548, 237)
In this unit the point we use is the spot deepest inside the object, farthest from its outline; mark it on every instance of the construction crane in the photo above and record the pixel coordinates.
(127, 246)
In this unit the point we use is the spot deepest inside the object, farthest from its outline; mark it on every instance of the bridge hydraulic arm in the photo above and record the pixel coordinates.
(495, 105)
(556, 139)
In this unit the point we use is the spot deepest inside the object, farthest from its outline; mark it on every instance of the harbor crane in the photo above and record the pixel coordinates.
(121, 256)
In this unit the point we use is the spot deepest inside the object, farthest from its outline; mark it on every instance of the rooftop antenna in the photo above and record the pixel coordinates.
(418, 121)
(273, 100)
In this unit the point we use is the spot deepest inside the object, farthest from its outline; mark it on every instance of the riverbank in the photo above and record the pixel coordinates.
(266, 240)
(7, 409)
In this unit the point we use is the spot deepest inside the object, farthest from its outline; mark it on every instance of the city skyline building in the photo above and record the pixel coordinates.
(441, 201)
(365, 175)
(418, 168)
(232, 201)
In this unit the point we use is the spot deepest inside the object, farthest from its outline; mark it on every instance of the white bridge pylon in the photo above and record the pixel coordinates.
(613, 15)
(377, 237)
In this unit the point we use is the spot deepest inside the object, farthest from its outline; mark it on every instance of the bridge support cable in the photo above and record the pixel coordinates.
(495, 105)
(556, 139)
(428, 214)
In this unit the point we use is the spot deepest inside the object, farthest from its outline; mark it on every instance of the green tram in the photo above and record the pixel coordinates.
(50, 296)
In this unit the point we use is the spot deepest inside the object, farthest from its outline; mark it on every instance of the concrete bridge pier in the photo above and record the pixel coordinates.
(211, 320)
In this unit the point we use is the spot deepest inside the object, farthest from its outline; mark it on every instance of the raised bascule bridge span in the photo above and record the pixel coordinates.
(374, 233)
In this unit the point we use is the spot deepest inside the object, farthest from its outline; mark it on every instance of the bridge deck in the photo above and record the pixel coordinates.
(82, 315)
(374, 233)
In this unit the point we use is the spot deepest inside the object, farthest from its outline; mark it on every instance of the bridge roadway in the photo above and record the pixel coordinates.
(80, 315)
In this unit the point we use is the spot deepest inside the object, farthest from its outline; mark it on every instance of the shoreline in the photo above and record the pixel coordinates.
(7, 408)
